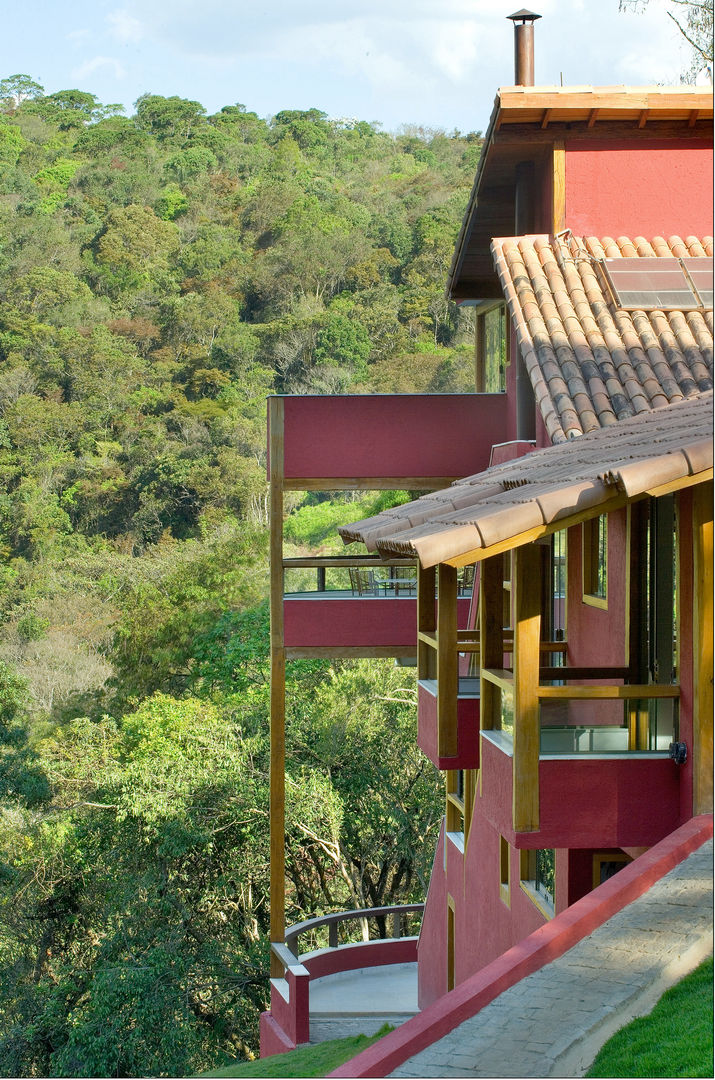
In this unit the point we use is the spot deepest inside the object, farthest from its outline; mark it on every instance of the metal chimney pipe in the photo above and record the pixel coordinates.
(524, 46)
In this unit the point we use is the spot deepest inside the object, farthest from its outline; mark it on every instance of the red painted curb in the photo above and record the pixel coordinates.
(534, 952)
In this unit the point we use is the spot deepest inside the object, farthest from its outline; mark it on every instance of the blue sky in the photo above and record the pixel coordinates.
(435, 63)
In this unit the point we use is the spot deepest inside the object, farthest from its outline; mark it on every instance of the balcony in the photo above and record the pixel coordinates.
(466, 755)
(593, 791)
(350, 605)
(419, 440)
(327, 968)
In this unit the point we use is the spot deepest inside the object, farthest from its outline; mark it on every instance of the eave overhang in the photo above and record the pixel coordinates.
(524, 124)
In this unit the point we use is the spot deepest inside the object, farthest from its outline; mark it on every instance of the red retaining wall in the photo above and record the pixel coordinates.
(540, 948)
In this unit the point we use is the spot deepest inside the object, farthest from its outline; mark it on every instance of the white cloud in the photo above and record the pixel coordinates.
(77, 37)
(98, 63)
(125, 27)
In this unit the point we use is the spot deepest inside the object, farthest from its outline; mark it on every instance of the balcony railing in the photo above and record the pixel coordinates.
(361, 576)
(290, 997)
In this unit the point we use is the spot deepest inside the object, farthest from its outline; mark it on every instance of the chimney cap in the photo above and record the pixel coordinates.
(524, 16)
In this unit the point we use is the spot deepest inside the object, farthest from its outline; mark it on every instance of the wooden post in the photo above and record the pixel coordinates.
(703, 649)
(479, 354)
(447, 661)
(277, 764)
(426, 622)
(559, 187)
(491, 637)
(527, 633)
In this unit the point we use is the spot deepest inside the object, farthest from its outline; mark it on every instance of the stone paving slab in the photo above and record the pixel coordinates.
(553, 1022)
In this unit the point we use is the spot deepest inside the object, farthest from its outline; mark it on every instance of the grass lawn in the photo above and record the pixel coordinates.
(676, 1039)
(315, 1060)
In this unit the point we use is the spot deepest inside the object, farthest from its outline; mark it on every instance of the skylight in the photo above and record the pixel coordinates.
(648, 284)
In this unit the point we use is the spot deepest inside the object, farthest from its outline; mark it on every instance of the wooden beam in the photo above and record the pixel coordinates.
(529, 135)
(642, 118)
(609, 693)
(356, 652)
(367, 483)
(703, 649)
(559, 187)
(491, 638)
(526, 584)
(592, 117)
(277, 691)
(447, 661)
(347, 560)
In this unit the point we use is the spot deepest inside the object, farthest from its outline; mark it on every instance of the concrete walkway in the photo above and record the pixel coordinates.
(360, 1002)
(554, 1021)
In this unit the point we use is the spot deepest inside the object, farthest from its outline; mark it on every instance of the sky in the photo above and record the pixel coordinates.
(431, 63)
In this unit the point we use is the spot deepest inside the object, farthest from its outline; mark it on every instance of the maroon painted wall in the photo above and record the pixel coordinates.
(467, 756)
(597, 802)
(432, 946)
(355, 621)
(597, 637)
(628, 187)
(378, 435)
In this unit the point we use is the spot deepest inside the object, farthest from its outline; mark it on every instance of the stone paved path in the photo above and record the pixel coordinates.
(554, 1022)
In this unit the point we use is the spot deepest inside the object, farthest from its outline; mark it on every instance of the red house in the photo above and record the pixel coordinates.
(569, 701)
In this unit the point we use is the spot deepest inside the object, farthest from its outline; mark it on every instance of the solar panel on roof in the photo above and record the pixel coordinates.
(700, 272)
(647, 283)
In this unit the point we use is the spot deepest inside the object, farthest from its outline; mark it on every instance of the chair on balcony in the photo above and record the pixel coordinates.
(362, 581)
(466, 580)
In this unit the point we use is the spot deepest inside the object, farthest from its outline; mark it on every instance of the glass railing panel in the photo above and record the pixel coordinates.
(608, 727)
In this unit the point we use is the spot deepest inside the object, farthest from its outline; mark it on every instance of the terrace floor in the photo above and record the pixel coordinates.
(360, 1002)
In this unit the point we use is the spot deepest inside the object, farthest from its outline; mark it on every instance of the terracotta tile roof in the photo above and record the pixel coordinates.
(659, 446)
(592, 364)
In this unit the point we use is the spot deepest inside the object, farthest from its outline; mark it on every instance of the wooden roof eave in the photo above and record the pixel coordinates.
(616, 502)
(465, 228)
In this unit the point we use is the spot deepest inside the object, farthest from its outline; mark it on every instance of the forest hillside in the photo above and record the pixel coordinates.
(160, 275)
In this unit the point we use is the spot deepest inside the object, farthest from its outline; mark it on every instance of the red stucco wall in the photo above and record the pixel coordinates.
(637, 188)
(432, 946)
(385, 435)
(355, 621)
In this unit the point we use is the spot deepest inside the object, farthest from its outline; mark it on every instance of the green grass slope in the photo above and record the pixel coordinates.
(675, 1039)
(306, 1061)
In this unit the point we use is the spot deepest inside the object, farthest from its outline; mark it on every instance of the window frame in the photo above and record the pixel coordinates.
(594, 561)
(528, 883)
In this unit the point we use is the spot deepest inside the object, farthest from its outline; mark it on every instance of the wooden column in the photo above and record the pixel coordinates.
(526, 584)
(426, 622)
(480, 380)
(447, 661)
(703, 649)
(559, 187)
(277, 765)
(491, 637)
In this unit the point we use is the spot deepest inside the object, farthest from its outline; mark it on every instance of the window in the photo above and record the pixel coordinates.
(455, 801)
(504, 871)
(608, 863)
(491, 350)
(595, 561)
(537, 878)
(461, 791)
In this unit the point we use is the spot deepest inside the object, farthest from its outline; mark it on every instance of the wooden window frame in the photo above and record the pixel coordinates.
(591, 561)
(480, 346)
(527, 875)
(600, 857)
(504, 872)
